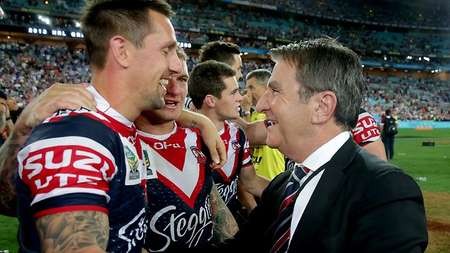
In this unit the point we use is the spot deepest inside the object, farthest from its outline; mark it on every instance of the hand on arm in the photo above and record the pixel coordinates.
(253, 183)
(80, 231)
(246, 199)
(209, 134)
(58, 96)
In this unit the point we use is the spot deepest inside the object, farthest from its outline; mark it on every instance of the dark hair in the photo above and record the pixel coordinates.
(324, 64)
(102, 19)
(207, 79)
(219, 51)
(262, 76)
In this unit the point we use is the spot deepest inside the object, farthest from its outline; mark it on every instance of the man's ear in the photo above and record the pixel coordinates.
(121, 50)
(210, 101)
(324, 106)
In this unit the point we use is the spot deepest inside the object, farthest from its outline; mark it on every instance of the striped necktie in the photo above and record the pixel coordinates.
(283, 221)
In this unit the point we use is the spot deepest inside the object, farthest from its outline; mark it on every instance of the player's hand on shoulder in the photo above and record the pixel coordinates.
(56, 97)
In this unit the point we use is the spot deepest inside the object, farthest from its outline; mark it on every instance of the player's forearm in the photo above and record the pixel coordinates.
(80, 231)
(2, 121)
(224, 224)
(192, 119)
(8, 167)
(376, 148)
(246, 199)
(256, 133)
(252, 182)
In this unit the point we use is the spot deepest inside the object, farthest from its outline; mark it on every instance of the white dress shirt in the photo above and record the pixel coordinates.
(313, 162)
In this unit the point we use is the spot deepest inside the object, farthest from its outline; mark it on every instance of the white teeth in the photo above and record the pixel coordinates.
(269, 123)
(163, 82)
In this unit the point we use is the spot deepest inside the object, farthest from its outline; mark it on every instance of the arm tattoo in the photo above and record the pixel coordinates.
(2, 120)
(8, 168)
(225, 226)
(72, 231)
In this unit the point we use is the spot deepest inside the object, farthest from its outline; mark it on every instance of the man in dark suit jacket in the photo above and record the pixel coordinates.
(349, 200)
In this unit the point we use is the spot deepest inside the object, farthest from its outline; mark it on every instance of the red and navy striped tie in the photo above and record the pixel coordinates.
(282, 231)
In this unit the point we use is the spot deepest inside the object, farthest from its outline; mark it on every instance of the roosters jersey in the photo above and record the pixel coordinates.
(83, 161)
(179, 185)
(366, 130)
(238, 156)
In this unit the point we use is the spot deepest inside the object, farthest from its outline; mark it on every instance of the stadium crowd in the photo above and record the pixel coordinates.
(422, 14)
(204, 21)
(28, 69)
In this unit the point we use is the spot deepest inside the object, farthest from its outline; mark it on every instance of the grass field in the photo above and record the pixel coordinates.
(430, 166)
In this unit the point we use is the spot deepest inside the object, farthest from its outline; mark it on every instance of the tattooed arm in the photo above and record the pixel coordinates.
(224, 224)
(80, 231)
(8, 164)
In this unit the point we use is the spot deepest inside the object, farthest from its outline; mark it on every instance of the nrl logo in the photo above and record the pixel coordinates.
(133, 162)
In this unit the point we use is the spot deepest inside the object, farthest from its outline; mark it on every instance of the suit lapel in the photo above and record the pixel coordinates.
(324, 195)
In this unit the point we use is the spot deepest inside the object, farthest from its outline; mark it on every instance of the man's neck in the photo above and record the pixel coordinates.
(145, 125)
(219, 123)
(299, 151)
(112, 88)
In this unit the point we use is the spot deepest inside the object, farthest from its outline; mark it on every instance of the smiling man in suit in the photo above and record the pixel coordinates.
(338, 198)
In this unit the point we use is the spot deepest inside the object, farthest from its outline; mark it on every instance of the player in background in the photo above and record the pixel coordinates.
(184, 205)
(215, 93)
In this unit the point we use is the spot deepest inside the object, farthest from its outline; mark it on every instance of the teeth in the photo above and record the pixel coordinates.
(269, 123)
(163, 82)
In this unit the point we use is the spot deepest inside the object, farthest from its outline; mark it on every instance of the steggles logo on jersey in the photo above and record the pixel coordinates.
(134, 164)
(181, 225)
(135, 230)
(228, 191)
(201, 158)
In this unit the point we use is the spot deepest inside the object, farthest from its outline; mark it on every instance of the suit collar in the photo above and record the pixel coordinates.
(324, 195)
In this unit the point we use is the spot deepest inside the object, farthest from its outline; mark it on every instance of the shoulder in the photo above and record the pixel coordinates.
(382, 181)
(73, 123)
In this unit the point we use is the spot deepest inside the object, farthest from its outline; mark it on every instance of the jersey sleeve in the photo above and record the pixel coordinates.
(67, 166)
(246, 154)
(366, 130)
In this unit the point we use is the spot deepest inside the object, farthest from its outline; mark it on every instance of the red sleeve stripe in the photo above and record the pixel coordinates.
(73, 208)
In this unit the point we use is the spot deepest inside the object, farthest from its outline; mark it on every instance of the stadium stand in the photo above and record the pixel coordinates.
(415, 40)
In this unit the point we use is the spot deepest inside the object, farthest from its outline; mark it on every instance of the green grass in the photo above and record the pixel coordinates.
(430, 166)
(8, 234)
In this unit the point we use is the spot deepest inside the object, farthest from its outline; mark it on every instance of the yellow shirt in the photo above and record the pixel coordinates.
(268, 162)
